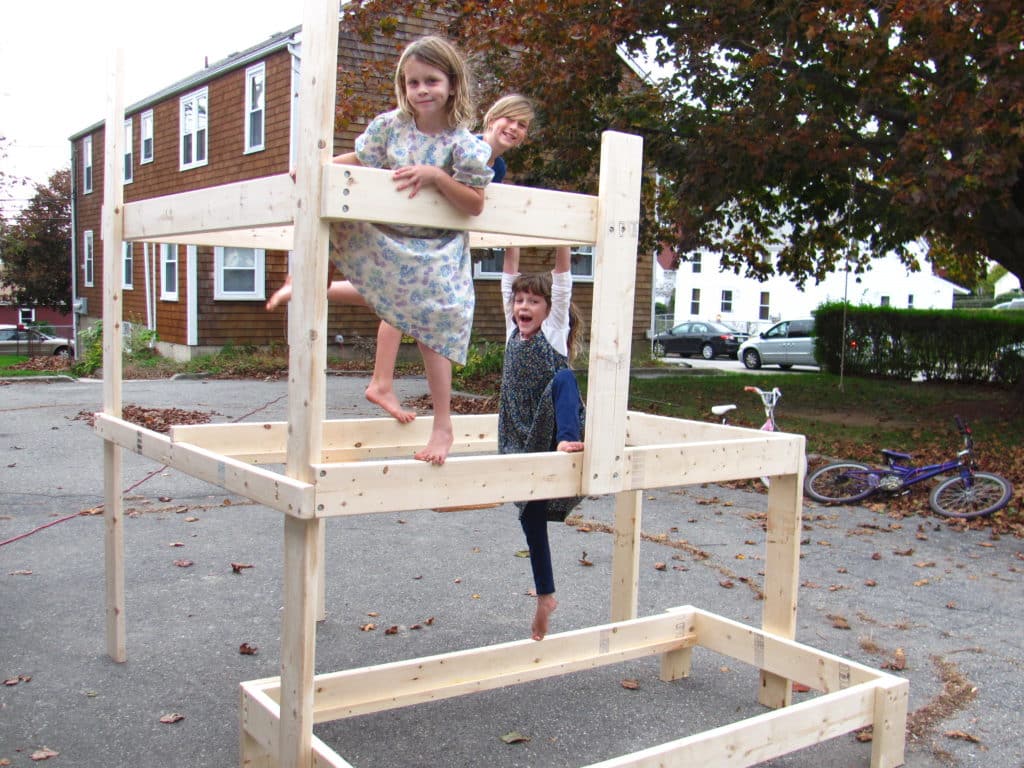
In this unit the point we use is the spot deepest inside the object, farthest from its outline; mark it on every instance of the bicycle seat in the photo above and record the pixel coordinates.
(896, 455)
(721, 410)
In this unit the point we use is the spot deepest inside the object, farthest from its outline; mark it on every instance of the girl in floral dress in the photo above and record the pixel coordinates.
(419, 279)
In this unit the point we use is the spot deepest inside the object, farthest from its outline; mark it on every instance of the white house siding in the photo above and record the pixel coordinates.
(887, 283)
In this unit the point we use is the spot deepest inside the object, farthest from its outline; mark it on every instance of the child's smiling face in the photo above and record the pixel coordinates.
(529, 310)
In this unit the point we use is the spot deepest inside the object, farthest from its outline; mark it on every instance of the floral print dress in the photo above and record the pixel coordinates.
(418, 279)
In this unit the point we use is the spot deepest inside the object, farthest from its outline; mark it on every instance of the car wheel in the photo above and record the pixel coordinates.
(62, 352)
(751, 359)
(659, 349)
(707, 352)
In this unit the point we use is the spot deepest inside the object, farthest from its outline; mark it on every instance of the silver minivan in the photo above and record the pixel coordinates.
(785, 344)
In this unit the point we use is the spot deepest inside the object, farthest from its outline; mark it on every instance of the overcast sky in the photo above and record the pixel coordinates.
(55, 56)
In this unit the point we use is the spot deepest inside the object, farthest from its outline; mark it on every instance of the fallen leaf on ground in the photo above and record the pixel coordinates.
(392, 630)
(183, 563)
(963, 735)
(584, 560)
(800, 688)
(838, 622)
(239, 567)
(247, 650)
(630, 684)
(660, 566)
(727, 583)
(43, 754)
(20, 573)
(367, 627)
(514, 737)
(172, 717)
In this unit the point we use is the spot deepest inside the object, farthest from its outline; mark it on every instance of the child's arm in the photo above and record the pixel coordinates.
(511, 264)
(563, 259)
(466, 199)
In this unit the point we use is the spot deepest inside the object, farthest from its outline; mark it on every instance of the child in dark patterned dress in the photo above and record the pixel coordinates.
(540, 405)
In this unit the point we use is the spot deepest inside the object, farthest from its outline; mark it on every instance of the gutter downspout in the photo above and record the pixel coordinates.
(74, 247)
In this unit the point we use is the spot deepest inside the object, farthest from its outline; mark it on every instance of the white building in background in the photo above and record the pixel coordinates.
(704, 292)
(1007, 284)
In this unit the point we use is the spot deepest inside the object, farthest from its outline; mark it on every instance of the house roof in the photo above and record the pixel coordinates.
(232, 61)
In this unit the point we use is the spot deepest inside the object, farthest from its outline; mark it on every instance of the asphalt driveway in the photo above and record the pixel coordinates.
(939, 606)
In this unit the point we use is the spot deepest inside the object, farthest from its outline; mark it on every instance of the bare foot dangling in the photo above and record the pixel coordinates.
(546, 605)
(388, 400)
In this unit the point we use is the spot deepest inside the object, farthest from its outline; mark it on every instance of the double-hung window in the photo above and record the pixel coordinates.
(582, 259)
(238, 273)
(193, 122)
(87, 258)
(255, 112)
(87, 164)
(169, 271)
(129, 153)
(127, 266)
(727, 301)
(146, 139)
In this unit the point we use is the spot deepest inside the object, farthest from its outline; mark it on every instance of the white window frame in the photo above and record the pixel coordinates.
(222, 258)
(26, 315)
(255, 107)
(910, 301)
(169, 266)
(193, 129)
(764, 310)
(695, 302)
(726, 301)
(127, 266)
(488, 262)
(582, 268)
(127, 169)
(87, 164)
(146, 137)
(88, 258)
(697, 263)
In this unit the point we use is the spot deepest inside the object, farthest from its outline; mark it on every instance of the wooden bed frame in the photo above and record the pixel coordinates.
(348, 467)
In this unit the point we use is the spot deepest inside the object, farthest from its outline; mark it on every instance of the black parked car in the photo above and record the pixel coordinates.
(699, 337)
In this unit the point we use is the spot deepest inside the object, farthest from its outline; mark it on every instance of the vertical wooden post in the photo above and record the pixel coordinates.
(782, 575)
(611, 335)
(112, 231)
(307, 331)
(888, 735)
(626, 555)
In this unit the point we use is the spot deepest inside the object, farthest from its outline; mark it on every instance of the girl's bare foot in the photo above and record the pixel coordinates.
(438, 445)
(388, 400)
(546, 605)
(570, 446)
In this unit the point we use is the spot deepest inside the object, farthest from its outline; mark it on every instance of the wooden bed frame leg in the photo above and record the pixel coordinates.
(888, 741)
(298, 641)
(782, 577)
(626, 555)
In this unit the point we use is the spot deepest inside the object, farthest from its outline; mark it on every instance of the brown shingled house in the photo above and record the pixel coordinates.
(229, 122)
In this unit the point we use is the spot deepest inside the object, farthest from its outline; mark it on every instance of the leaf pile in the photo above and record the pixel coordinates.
(156, 419)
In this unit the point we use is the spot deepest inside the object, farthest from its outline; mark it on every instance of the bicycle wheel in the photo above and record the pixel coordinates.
(986, 494)
(840, 483)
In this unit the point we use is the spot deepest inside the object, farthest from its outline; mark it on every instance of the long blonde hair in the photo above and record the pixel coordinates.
(442, 55)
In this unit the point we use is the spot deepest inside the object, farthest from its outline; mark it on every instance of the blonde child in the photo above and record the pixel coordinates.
(419, 279)
(505, 127)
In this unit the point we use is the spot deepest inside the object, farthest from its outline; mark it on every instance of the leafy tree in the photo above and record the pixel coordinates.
(785, 124)
(35, 248)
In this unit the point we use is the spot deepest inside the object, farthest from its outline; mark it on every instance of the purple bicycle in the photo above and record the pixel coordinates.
(967, 494)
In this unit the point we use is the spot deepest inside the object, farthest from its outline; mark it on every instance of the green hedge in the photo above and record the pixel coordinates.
(936, 344)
